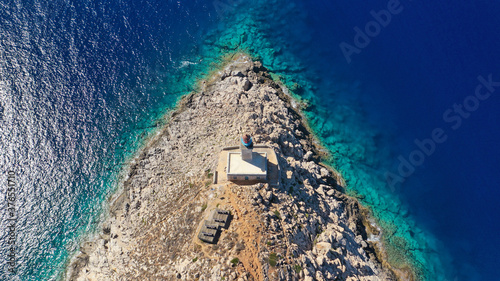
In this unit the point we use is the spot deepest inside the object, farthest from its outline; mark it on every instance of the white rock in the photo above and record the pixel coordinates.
(308, 156)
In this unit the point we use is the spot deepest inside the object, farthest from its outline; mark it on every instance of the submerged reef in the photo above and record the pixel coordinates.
(304, 228)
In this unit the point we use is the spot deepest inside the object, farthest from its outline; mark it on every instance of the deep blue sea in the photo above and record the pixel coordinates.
(404, 94)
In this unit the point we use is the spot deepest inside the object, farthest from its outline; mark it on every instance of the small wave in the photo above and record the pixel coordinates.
(185, 63)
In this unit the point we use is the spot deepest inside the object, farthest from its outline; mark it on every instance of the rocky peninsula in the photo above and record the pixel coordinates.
(304, 228)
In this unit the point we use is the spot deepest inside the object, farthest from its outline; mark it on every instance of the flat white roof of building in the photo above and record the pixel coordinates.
(256, 167)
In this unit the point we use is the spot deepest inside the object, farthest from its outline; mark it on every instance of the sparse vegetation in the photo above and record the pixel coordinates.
(235, 261)
(195, 259)
(297, 268)
(272, 259)
(277, 214)
(208, 173)
(204, 207)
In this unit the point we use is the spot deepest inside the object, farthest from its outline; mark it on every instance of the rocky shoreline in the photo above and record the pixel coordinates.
(305, 228)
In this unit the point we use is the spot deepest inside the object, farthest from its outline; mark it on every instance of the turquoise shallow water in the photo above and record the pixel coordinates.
(84, 84)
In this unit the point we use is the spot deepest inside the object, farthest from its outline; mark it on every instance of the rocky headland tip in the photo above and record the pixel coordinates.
(303, 228)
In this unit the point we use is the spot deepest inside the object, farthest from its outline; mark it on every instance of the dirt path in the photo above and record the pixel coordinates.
(249, 230)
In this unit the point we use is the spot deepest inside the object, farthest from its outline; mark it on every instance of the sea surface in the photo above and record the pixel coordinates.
(403, 94)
